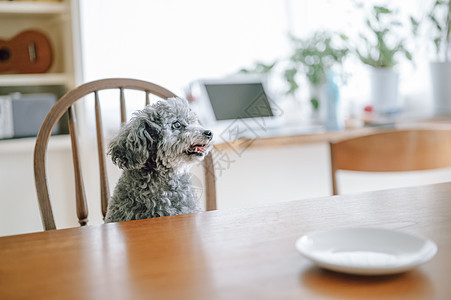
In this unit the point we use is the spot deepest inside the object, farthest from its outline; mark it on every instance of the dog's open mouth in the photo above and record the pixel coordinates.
(197, 149)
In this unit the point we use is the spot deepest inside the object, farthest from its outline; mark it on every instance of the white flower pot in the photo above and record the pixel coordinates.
(441, 87)
(384, 90)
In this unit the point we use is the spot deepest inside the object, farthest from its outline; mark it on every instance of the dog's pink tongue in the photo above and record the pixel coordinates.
(200, 149)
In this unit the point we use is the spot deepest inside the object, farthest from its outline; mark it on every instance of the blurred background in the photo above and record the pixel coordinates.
(294, 45)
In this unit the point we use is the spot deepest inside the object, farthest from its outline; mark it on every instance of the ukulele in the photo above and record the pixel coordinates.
(27, 52)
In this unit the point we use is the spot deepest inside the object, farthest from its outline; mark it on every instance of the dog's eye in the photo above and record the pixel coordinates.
(176, 125)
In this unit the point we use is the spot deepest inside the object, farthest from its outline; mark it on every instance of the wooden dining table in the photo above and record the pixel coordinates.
(246, 253)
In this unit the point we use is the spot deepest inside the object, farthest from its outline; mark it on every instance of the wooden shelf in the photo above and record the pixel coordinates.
(34, 79)
(32, 8)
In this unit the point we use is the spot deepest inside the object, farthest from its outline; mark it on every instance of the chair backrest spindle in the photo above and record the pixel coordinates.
(104, 189)
(123, 112)
(80, 196)
(210, 182)
(147, 98)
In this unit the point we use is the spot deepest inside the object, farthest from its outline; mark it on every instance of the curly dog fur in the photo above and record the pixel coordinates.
(155, 150)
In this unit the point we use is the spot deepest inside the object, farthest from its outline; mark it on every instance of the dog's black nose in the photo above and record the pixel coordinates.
(208, 134)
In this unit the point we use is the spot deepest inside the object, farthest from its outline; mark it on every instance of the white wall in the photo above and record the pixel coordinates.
(19, 210)
(173, 42)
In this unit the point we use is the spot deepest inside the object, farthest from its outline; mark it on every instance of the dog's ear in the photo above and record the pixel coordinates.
(132, 147)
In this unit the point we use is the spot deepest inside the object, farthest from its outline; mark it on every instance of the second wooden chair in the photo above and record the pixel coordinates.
(392, 151)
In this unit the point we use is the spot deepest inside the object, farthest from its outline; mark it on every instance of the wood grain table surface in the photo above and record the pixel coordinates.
(229, 254)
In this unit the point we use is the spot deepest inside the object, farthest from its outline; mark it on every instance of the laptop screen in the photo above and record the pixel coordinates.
(238, 100)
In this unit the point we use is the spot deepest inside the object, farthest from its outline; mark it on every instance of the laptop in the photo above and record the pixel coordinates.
(236, 107)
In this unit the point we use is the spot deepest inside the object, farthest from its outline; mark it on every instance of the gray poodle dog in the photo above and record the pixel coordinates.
(155, 150)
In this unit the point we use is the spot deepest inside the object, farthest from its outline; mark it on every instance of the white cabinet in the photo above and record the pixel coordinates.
(59, 21)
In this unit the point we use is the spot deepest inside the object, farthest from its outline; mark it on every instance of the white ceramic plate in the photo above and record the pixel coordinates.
(366, 251)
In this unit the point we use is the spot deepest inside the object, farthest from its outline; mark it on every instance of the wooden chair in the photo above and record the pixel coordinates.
(392, 151)
(66, 104)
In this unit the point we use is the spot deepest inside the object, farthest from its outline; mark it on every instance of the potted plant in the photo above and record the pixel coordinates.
(313, 57)
(438, 17)
(381, 49)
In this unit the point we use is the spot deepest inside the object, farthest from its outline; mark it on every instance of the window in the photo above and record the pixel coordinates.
(172, 42)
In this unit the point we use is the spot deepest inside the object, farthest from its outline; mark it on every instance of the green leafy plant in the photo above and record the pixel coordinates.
(259, 68)
(311, 57)
(314, 56)
(383, 47)
(439, 17)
